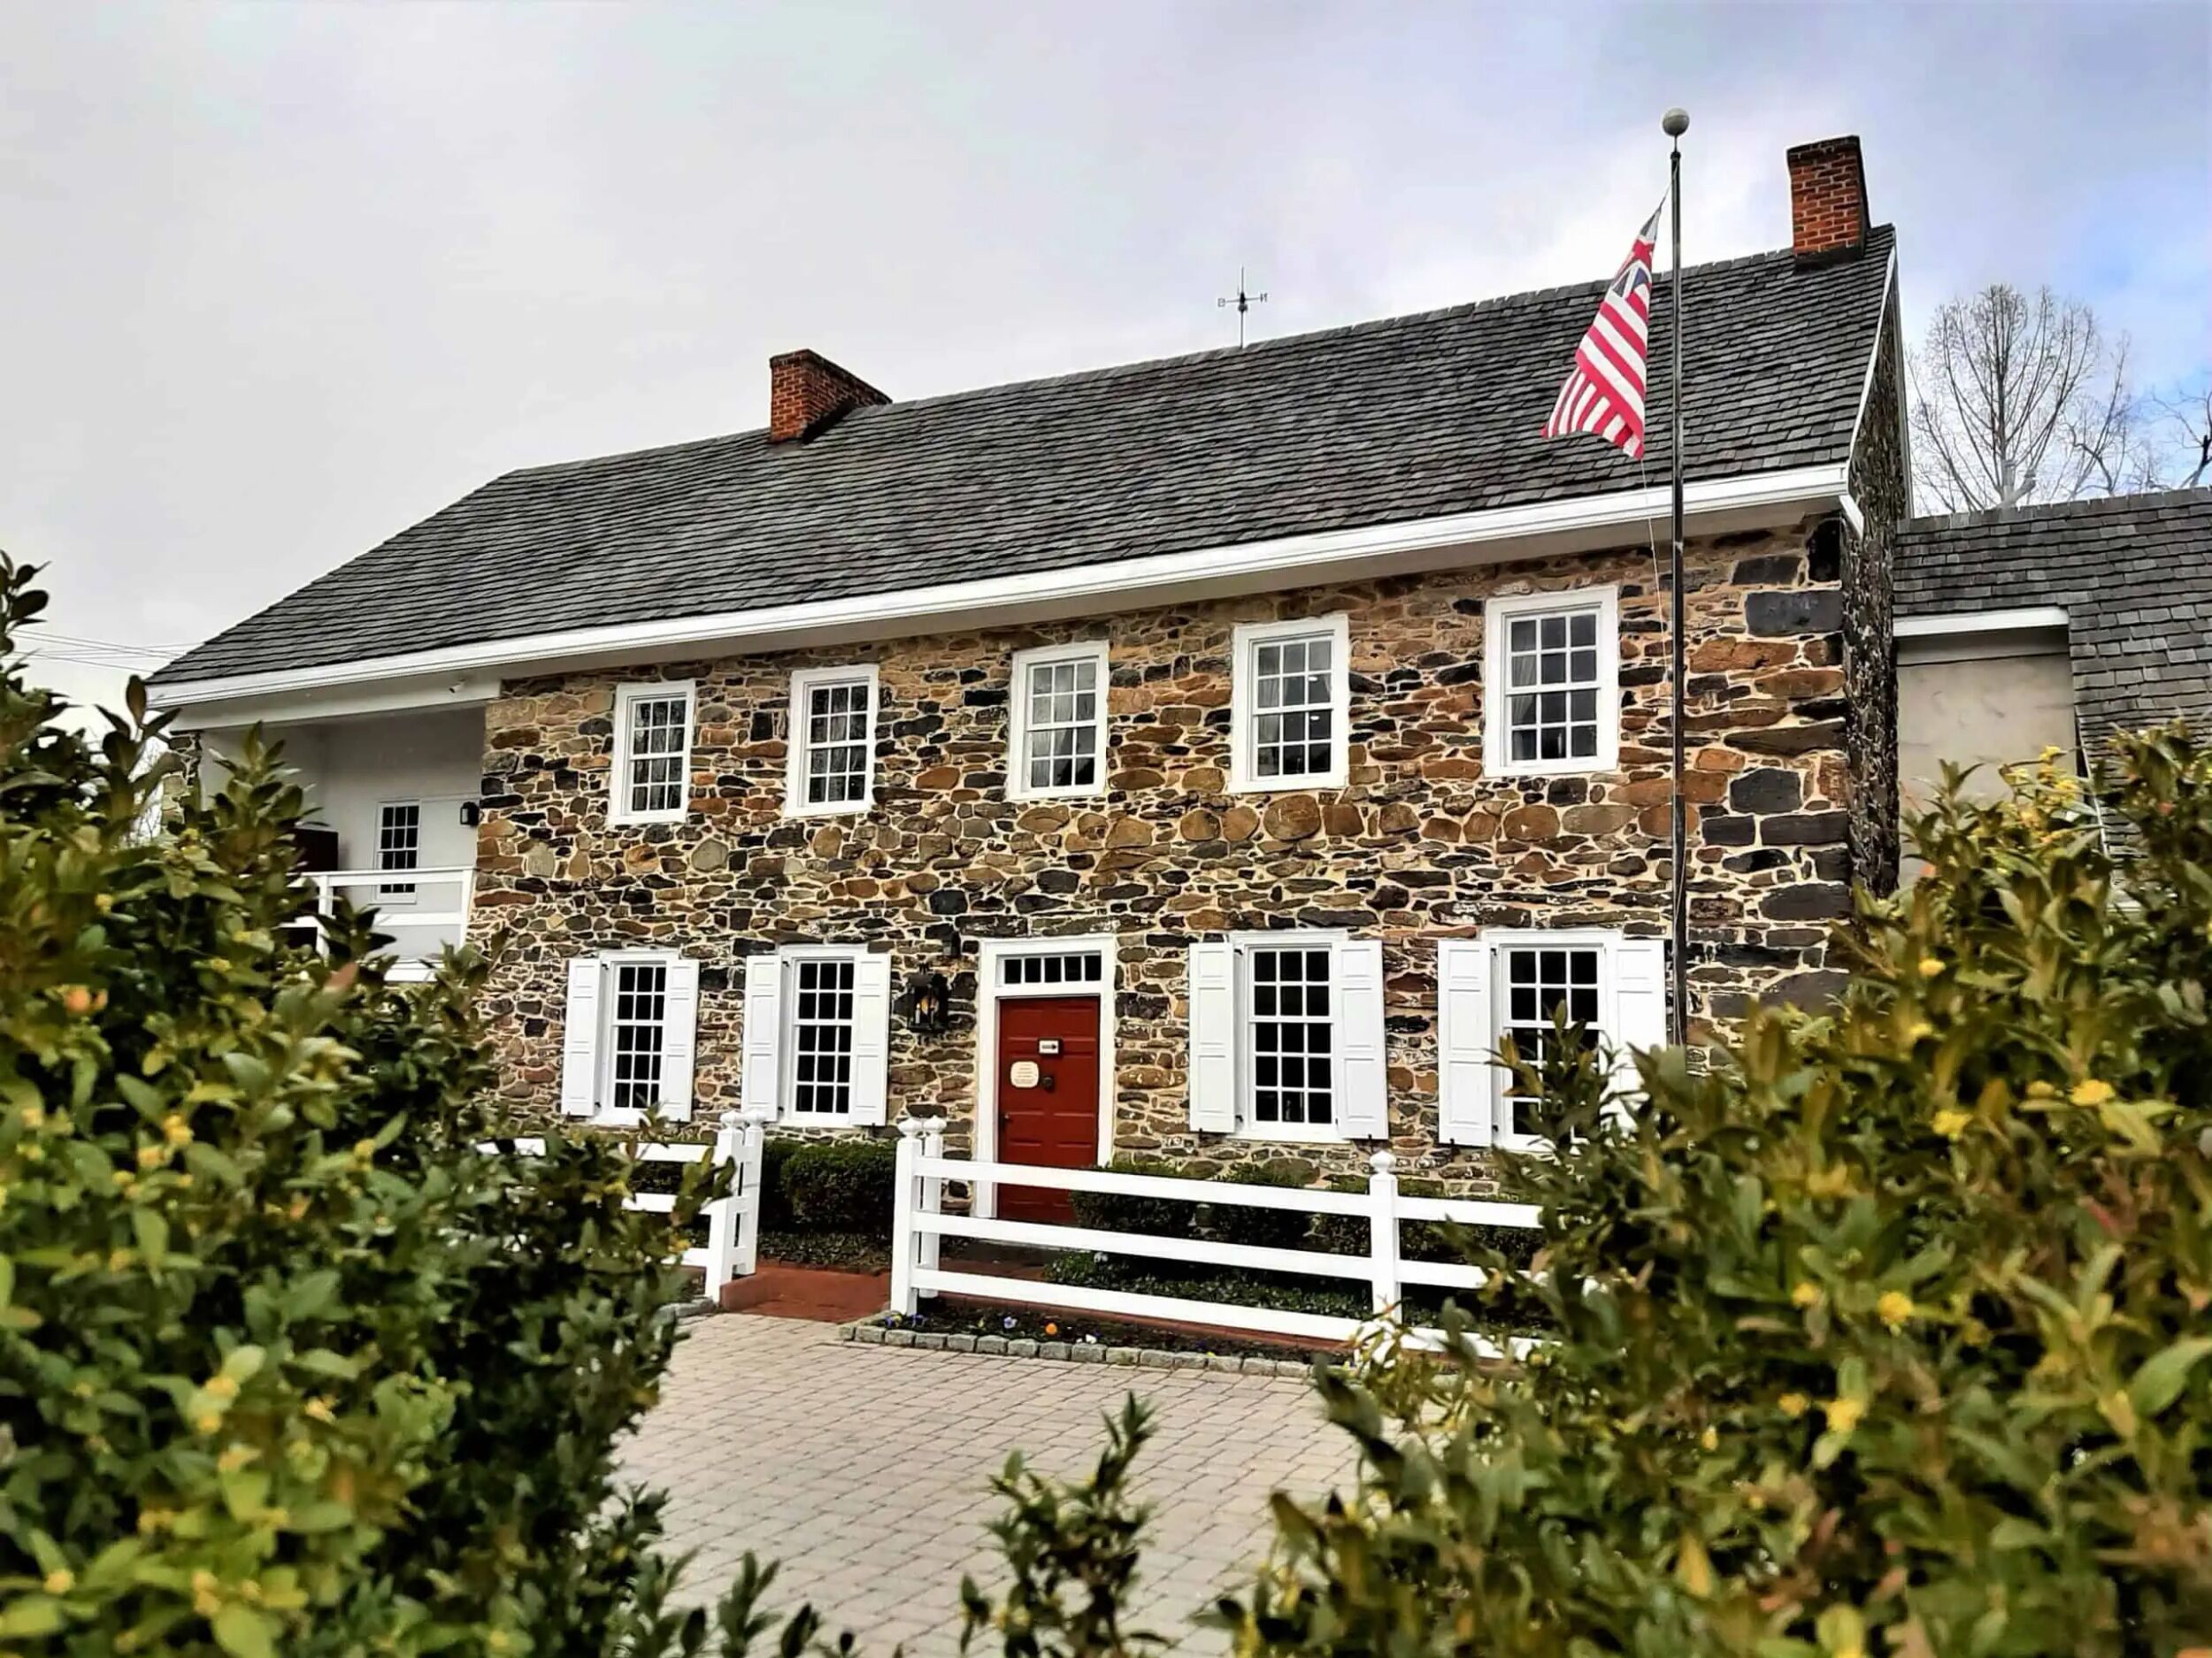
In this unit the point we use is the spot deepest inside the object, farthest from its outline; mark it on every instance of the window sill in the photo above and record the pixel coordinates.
(628, 820)
(1596, 766)
(840, 809)
(1024, 797)
(1277, 785)
(1290, 1135)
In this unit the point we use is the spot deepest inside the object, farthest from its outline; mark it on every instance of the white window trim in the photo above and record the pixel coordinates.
(1017, 757)
(386, 899)
(1242, 945)
(602, 1041)
(1498, 941)
(618, 811)
(990, 953)
(803, 681)
(1246, 639)
(1496, 727)
(787, 957)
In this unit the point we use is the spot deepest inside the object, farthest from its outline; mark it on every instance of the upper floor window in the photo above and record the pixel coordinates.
(1059, 722)
(832, 741)
(652, 753)
(1290, 703)
(1552, 682)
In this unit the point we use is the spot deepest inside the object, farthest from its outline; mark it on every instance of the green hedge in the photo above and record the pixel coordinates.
(834, 1185)
(1112, 1211)
(1263, 1228)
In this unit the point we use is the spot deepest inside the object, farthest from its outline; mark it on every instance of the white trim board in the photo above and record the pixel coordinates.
(1951, 623)
(989, 993)
(1581, 524)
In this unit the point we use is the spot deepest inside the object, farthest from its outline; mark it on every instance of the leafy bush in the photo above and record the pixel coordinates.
(776, 1152)
(1264, 1228)
(843, 1184)
(1115, 1211)
(285, 1363)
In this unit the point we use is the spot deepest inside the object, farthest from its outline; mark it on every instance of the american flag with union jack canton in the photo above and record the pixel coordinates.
(1604, 395)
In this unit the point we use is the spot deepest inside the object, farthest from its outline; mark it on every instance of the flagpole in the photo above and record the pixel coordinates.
(1676, 123)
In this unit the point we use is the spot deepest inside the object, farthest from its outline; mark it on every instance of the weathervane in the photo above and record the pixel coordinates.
(1243, 302)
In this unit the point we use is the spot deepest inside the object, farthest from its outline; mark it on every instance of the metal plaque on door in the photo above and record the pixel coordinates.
(1048, 1045)
(1024, 1074)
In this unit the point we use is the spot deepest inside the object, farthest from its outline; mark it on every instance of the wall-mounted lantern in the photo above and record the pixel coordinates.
(927, 1004)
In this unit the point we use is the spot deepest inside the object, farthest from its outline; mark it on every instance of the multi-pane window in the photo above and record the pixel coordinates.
(1086, 968)
(821, 1037)
(1552, 680)
(1290, 698)
(1293, 1038)
(652, 753)
(637, 1035)
(398, 843)
(1059, 720)
(1540, 984)
(831, 720)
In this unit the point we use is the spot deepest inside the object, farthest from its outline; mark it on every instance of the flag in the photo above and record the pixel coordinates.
(1605, 393)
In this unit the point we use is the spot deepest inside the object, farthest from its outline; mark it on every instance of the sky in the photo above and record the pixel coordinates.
(281, 278)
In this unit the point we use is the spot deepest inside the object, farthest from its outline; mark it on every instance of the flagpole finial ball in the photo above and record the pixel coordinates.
(1674, 123)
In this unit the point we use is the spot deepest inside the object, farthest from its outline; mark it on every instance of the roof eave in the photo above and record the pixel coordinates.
(1497, 535)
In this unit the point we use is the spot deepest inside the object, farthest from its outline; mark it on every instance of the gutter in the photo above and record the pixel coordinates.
(459, 672)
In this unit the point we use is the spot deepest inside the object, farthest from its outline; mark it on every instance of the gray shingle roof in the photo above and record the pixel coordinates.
(2133, 573)
(1411, 418)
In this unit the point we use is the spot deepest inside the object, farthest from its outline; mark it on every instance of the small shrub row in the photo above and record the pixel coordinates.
(813, 1187)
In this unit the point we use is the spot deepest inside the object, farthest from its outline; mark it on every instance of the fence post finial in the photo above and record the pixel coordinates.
(1382, 1234)
(1382, 1161)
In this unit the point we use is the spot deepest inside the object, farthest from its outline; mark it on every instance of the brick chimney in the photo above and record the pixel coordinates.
(1827, 201)
(806, 393)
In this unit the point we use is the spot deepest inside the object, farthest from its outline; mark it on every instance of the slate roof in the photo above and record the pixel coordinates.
(2133, 573)
(1410, 418)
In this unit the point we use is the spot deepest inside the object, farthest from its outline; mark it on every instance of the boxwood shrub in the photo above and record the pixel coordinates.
(839, 1186)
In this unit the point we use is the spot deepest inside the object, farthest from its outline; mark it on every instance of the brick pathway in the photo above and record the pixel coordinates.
(864, 1469)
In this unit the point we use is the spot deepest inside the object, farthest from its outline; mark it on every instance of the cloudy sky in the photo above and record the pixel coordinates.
(281, 278)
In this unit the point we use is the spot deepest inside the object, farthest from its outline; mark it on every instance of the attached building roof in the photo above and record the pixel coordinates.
(2133, 574)
(1404, 419)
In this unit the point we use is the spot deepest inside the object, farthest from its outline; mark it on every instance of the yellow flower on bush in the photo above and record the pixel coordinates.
(61, 1580)
(320, 1409)
(207, 1421)
(1951, 1122)
(1709, 1438)
(236, 1458)
(1794, 1405)
(152, 1157)
(221, 1386)
(1930, 968)
(1807, 1294)
(2040, 1090)
(1918, 1031)
(2092, 1091)
(175, 1130)
(1843, 1414)
(1895, 1308)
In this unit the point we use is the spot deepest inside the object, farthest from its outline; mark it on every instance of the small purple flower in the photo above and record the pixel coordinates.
(1008, 1322)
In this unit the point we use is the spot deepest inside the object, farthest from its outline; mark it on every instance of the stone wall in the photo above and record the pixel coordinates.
(1881, 486)
(1418, 844)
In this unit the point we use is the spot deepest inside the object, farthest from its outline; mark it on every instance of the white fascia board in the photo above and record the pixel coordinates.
(1951, 622)
(1874, 358)
(1582, 524)
(343, 701)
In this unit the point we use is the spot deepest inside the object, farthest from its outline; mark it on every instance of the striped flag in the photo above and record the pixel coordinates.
(1605, 393)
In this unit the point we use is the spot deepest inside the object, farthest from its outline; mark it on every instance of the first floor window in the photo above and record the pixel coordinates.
(1290, 695)
(1059, 721)
(1286, 1039)
(632, 1022)
(817, 1035)
(652, 755)
(1293, 1038)
(1552, 693)
(1543, 984)
(833, 739)
(398, 843)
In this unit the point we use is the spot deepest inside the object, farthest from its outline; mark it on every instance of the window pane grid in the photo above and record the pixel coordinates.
(1552, 680)
(1540, 981)
(1293, 1038)
(637, 1034)
(399, 844)
(1293, 719)
(659, 736)
(1073, 969)
(1062, 728)
(821, 1038)
(836, 743)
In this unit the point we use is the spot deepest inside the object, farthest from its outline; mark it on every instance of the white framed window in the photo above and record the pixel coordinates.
(1511, 984)
(833, 741)
(817, 1033)
(1059, 743)
(1552, 682)
(1290, 703)
(631, 1027)
(651, 776)
(398, 843)
(1286, 1037)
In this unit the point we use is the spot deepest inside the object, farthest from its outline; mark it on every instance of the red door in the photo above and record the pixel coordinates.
(1047, 1096)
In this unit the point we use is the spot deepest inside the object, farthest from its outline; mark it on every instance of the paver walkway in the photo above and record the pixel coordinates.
(864, 1469)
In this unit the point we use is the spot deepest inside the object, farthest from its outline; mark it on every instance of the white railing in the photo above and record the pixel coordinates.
(733, 1246)
(423, 910)
(919, 1223)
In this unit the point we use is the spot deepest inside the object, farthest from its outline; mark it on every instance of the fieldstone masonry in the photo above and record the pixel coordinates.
(1419, 844)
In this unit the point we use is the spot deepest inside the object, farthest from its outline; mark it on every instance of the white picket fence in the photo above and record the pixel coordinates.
(919, 1222)
(733, 1246)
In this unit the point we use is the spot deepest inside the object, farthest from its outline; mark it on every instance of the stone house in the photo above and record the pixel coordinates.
(1194, 758)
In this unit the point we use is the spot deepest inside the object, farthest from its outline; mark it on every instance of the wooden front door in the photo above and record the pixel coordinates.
(1047, 1096)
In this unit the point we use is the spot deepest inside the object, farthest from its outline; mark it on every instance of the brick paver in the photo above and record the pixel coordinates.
(864, 1469)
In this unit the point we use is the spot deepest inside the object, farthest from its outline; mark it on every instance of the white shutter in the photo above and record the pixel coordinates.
(757, 1092)
(1362, 1073)
(1466, 1078)
(1640, 1004)
(580, 1039)
(871, 1037)
(679, 1036)
(1213, 1037)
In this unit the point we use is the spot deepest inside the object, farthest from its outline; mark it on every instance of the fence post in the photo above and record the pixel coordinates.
(753, 1136)
(904, 1253)
(1382, 1229)
(933, 1193)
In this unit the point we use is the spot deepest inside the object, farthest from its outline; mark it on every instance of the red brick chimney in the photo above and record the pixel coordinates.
(806, 393)
(1827, 201)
